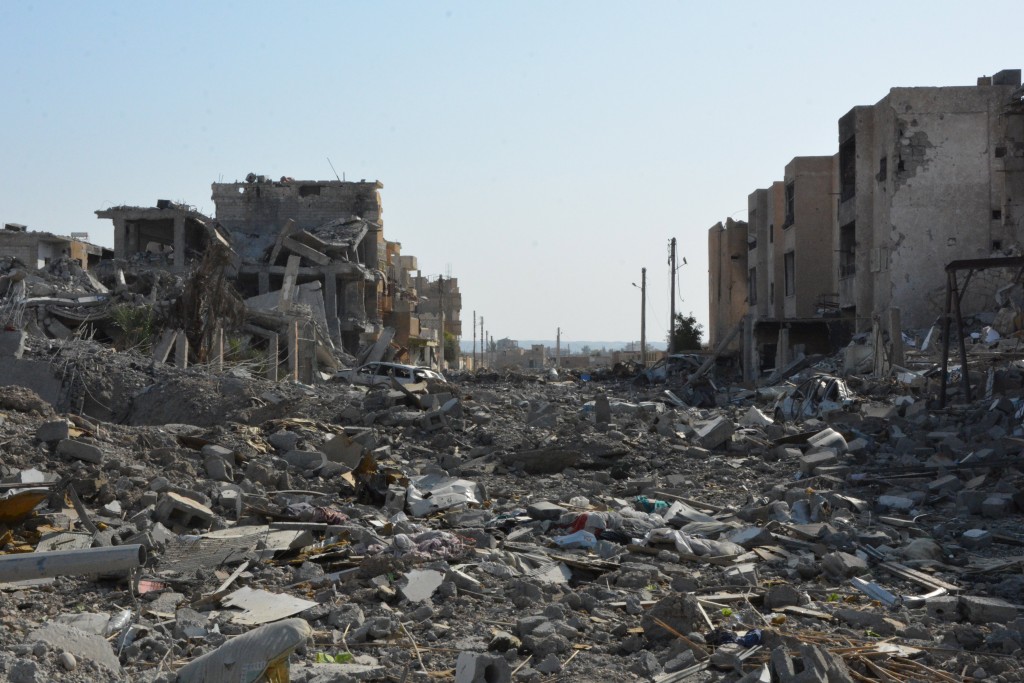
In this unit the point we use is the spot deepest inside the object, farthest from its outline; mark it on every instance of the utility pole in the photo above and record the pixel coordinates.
(483, 344)
(672, 298)
(558, 348)
(643, 317)
(440, 306)
(474, 341)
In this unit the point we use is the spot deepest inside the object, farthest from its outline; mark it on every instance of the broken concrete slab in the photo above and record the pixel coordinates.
(79, 450)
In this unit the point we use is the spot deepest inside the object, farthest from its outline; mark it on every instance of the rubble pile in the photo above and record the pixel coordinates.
(185, 524)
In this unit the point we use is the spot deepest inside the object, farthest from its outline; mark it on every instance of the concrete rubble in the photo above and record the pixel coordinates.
(504, 527)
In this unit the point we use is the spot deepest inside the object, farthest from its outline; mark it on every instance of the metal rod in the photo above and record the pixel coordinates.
(945, 338)
(965, 377)
(71, 562)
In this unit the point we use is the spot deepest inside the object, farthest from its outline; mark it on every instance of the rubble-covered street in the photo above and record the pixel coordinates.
(208, 524)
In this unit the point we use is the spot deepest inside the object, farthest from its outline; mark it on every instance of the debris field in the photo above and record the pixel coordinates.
(206, 523)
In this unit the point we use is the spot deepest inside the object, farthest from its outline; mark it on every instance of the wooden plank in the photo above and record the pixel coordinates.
(920, 578)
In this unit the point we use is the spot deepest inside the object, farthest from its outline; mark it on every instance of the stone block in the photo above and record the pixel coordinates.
(70, 448)
(482, 667)
(54, 430)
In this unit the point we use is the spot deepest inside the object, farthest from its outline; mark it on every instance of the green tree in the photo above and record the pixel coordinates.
(687, 333)
(451, 348)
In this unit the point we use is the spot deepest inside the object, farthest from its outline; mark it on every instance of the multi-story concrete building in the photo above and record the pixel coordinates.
(921, 178)
(727, 279)
(926, 176)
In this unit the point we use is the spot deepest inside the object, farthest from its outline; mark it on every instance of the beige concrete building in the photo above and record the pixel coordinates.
(727, 279)
(921, 178)
(37, 249)
(926, 176)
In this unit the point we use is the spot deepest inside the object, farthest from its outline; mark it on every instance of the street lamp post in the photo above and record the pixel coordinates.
(643, 316)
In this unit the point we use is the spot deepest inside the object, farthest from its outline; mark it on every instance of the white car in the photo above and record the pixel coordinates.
(382, 373)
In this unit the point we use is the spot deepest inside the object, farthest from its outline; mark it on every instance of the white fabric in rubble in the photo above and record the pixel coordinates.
(692, 545)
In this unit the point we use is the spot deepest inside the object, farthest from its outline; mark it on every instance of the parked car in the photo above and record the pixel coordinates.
(382, 373)
(816, 396)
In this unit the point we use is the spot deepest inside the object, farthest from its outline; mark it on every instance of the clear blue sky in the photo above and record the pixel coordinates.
(544, 151)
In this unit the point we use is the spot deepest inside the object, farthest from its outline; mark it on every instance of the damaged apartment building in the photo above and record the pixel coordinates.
(310, 261)
(858, 240)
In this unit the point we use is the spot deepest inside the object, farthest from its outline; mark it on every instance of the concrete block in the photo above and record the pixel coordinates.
(997, 505)
(218, 469)
(971, 501)
(751, 537)
(945, 608)
(12, 343)
(822, 458)
(782, 595)
(828, 438)
(71, 448)
(481, 667)
(433, 421)
(54, 430)
(176, 510)
(305, 460)
(342, 449)
(715, 433)
(545, 510)
(896, 503)
(976, 539)
(420, 584)
(843, 565)
(982, 610)
(284, 440)
(220, 452)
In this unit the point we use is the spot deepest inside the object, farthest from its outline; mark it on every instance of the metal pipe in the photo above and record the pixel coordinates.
(71, 562)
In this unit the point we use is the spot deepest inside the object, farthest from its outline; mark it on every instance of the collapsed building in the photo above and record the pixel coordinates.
(293, 279)
(856, 241)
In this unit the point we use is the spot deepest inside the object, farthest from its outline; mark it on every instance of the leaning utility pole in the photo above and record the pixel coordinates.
(643, 317)
(672, 298)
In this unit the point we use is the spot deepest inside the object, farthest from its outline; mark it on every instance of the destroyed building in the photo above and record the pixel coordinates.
(309, 259)
(36, 249)
(857, 240)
